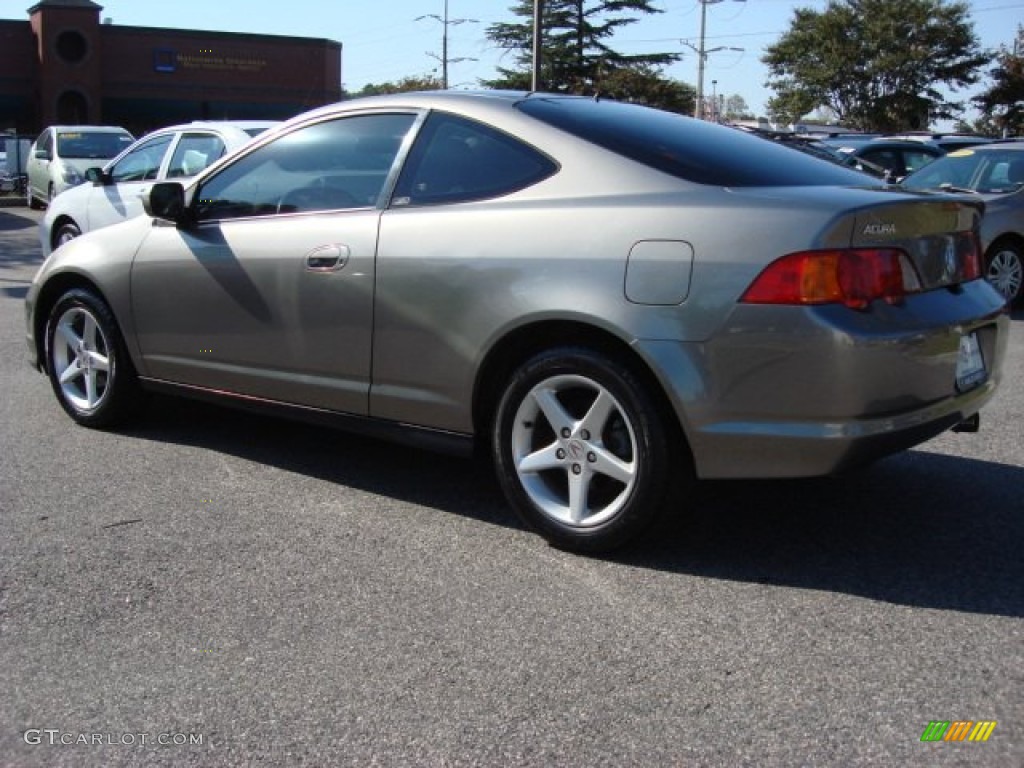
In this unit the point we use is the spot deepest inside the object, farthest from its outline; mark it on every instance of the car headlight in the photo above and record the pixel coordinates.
(72, 176)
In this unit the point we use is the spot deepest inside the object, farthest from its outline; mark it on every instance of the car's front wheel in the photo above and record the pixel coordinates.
(87, 362)
(66, 232)
(31, 200)
(1004, 269)
(582, 451)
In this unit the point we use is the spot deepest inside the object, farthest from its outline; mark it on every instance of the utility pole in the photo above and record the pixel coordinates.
(538, 27)
(702, 54)
(443, 58)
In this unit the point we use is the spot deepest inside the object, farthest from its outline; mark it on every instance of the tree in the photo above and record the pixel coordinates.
(643, 84)
(878, 64)
(577, 57)
(736, 108)
(1002, 105)
(411, 83)
(423, 83)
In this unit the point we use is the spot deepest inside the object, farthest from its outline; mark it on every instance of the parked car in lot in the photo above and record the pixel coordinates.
(114, 193)
(947, 142)
(892, 159)
(61, 154)
(995, 173)
(814, 146)
(608, 300)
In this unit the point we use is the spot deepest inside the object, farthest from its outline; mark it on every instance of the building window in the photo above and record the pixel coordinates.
(72, 47)
(165, 60)
(72, 108)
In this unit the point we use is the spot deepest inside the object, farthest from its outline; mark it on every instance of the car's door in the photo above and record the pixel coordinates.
(270, 294)
(131, 176)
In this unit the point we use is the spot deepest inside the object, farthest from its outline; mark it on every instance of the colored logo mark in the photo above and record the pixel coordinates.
(958, 730)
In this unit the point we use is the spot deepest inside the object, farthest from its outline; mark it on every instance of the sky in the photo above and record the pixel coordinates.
(386, 40)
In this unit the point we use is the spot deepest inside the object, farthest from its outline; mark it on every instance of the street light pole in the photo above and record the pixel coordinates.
(702, 55)
(538, 12)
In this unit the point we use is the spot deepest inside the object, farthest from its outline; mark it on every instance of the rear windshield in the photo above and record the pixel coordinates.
(87, 144)
(690, 149)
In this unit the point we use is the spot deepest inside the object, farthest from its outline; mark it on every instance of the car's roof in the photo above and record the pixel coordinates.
(90, 128)
(431, 99)
(217, 125)
(992, 146)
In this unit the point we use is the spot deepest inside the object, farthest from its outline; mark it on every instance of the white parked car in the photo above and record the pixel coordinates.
(115, 191)
(61, 154)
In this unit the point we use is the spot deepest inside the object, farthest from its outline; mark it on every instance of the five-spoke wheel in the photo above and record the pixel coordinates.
(88, 368)
(581, 450)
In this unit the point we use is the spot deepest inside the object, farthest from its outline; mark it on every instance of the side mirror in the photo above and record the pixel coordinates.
(97, 176)
(41, 154)
(166, 200)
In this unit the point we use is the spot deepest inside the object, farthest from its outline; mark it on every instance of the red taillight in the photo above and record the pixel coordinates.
(853, 276)
(970, 257)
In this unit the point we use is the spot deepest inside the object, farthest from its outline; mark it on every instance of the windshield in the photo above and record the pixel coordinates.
(689, 149)
(89, 144)
(988, 171)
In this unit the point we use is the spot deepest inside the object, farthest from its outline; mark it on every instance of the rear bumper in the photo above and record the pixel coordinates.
(802, 392)
(811, 449)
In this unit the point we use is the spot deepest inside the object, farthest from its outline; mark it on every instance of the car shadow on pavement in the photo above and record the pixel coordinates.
(919, 528)
(18, 251)
(452, 484)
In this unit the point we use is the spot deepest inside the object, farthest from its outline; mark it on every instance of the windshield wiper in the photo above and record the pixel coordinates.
(947, 187)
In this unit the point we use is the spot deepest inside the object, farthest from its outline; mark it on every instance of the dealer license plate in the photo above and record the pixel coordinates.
(970, 365)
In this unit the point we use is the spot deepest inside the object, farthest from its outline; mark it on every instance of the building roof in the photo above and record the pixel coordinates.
(88, 5)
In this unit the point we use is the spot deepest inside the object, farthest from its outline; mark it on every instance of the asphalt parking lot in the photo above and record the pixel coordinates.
(212, 588)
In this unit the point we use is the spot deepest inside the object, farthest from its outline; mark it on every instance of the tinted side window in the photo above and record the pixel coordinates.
(194, 152)
(456, 160)
(143, 162)
(914, 160)
(689, 149)
(336, 164)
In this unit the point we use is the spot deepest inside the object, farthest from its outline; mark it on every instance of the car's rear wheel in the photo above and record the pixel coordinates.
(65, 232)
(87, 362)
(31, 200)
(1004, 268)
(582, 451)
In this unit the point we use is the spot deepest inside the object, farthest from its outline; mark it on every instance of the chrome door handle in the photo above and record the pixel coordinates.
(327, 258)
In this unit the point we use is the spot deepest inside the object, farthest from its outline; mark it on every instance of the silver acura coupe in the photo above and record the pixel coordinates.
(610, 300)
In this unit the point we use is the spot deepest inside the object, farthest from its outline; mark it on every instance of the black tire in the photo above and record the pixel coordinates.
(31, 200)
(87, 362)
(619, 457)
(65, 232)
(1004, 269)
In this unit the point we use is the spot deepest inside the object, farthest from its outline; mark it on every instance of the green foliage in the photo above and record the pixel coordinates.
(642, 84)
(577, 57)
(735, 108)
(1002, 105)
(878, 64)
(423, 83)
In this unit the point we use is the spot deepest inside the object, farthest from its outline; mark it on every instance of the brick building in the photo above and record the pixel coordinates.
(66, 65)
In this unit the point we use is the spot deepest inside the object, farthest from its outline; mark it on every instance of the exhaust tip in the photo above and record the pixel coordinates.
(970, 424)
